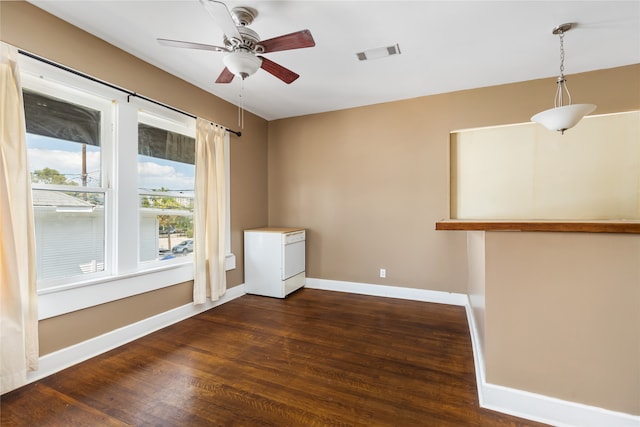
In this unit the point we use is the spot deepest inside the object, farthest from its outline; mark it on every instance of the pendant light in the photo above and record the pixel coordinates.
(562, 117)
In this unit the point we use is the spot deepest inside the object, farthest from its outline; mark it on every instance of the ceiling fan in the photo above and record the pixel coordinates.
(243, 45)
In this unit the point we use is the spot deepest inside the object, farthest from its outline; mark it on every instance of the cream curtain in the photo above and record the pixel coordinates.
(209, 217)
(18, 298)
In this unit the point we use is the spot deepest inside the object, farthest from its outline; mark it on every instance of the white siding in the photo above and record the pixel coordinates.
(69, 243)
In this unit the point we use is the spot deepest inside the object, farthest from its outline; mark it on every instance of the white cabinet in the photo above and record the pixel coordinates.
(274, 261)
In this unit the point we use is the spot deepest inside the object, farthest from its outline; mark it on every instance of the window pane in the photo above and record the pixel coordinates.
(64, 149)
(165, 166)
(166, 227)
(63, 141)
(69, 233)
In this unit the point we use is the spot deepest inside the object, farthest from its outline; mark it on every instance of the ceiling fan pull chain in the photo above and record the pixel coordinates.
(242, 101)
(241, 107)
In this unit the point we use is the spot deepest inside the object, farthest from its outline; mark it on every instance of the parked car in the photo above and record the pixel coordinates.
(183, 247)
(167, 230)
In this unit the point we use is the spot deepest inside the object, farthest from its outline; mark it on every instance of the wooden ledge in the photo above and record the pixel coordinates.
(626, 227)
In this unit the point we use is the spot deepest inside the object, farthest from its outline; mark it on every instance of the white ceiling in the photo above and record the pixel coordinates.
(446, 45)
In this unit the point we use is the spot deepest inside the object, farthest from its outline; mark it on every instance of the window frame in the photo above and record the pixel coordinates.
(126, 276)
(56, 83)
(159, 117)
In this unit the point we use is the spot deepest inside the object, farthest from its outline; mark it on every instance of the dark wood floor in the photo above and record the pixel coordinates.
(316, 358)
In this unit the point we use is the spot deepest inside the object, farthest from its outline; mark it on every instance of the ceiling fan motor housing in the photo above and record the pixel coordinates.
(250, 40)
(243, 16)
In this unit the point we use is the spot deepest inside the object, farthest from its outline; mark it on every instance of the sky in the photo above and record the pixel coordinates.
(66, 158)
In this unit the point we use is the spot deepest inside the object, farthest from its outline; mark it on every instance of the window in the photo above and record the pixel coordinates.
(166, 173)
(65, 134)
(114, 218)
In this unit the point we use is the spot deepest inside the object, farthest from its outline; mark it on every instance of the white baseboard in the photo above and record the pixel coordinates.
(388, 291)
(550, 410)
(498, 398)
(478, 354)
(69, 356)
(537, 407)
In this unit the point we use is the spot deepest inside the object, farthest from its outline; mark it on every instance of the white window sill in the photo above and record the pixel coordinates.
(52, 302)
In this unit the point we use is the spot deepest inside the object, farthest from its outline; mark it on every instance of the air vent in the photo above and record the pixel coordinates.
(379, 52)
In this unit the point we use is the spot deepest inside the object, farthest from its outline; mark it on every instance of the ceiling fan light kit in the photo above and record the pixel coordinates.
(243, 45)
(562, 117)
(242, 63)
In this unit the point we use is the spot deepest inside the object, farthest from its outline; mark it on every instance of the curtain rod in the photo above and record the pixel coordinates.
(112, 86)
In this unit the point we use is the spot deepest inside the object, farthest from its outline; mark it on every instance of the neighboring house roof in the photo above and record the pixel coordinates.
(56, 198)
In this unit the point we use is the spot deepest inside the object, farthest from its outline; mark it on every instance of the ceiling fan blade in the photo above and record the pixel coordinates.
(278, 70)
(225, 76)
(221, 15)
(191, 45)
(296, 40)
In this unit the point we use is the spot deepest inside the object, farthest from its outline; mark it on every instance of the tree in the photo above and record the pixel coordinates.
(168, 223)
(50, 176)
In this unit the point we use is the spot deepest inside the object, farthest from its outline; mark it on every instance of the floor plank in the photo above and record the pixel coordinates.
(315, 358)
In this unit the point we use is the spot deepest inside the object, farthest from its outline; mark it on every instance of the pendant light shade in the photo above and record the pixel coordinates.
(562, 117)
(242, 63)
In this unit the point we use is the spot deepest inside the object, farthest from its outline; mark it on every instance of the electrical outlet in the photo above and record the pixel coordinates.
(383, 273)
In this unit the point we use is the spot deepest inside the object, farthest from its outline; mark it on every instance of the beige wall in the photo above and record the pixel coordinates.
(63, 331)
(370, 182)
(33, 30)
(563, 316)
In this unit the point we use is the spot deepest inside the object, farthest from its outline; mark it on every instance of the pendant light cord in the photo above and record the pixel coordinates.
(561, 35)
(562, 81)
